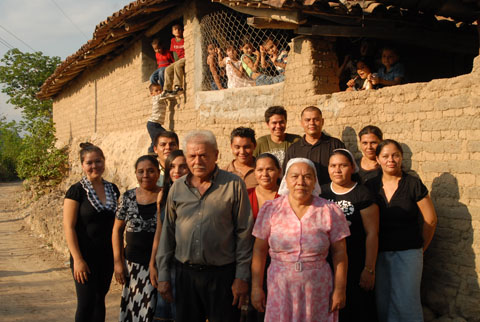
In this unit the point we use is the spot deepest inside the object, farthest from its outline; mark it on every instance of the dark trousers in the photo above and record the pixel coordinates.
(153, 129)
(205, 293)
(91, 295)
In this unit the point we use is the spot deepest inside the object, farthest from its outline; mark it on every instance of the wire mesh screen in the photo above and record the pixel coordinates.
(229, 28)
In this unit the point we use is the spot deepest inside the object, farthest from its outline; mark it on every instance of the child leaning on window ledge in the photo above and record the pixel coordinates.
(392, 72)
(217, 72)
(164, 58)
(235, 74)
(277, 57)
(361, 81)
(250, 63)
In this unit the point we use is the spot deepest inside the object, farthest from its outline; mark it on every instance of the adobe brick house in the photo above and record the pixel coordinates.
(100, 94)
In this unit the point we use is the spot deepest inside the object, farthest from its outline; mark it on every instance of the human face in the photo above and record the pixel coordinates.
(93, 165)
(164, 147)
(312, 123)
(147, 174)
(242, 149)
(271, 48)
(363, 70)
(247, 49)
(232, 53)
(177, 32)
(267, 173)
(277, 125)
(178, 168)
(389, 58)
(390, 159)
(340, 169)
(157, 48)
(211, 49)
(201, 159)
(300, 181)
(156, 90)
(368, 144)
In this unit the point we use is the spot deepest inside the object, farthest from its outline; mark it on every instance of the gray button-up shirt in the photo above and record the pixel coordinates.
(210, 229)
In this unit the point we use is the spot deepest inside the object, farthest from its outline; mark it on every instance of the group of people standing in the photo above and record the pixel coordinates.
(294, 229)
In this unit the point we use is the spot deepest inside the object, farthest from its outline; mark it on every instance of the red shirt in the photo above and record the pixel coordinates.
(163, 60)
(177, 46)
(252, 196)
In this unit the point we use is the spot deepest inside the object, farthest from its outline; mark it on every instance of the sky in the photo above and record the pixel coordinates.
(54, 27)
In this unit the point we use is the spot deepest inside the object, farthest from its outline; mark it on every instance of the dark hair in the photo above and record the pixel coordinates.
(155, 41)
(88, 147)
(167, 181)
(152, 85)
(355, 176)
(371, 129)
(311, 108)
(392, 49)
(243, 132)
(166, 134)
(178, 26)
(386, 142)
(150, 158)
(267, 155)
(275, 110)
(168, 164)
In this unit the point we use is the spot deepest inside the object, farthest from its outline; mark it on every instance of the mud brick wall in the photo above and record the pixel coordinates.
(437, 122)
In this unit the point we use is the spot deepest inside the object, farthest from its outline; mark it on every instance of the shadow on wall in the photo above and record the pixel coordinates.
(450, 283)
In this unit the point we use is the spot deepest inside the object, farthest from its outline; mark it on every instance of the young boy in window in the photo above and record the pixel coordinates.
(392, 72)
(175, 73)
(164, 58)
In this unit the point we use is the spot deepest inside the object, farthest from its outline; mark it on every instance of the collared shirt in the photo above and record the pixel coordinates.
(161, 178)
(248, 178)
(266, 144)
(210, 229)
(397, 70)
(318, 153)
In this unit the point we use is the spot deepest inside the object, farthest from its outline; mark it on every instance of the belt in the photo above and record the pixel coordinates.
(202, 268)
(299, 266)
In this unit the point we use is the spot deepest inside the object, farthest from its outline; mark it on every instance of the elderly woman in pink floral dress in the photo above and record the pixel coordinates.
(298, 229)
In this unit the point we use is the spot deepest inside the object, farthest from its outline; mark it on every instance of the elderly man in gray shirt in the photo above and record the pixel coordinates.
(206, 236)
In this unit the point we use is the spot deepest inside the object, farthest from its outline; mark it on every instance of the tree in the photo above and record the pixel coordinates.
(22, 75)
(10, 145)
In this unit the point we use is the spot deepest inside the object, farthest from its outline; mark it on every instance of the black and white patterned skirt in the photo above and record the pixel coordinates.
(139, 297)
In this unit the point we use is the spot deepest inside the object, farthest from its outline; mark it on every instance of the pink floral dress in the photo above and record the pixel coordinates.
(299, 279)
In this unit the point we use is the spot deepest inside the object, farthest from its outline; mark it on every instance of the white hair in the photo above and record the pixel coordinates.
(200, 136)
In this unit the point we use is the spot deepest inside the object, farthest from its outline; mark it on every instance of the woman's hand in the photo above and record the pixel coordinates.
(153, 274)
(80, 271)
(258, 299)
(119, 268)
(338, 299)
(367, 280)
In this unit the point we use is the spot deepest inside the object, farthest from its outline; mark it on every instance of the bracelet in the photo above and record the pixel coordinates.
(368, 269)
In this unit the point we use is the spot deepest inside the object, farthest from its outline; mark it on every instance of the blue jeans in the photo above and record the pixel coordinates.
(397, 285)
(153, 129)
(158, 76)
(268, 80)
(165, 310)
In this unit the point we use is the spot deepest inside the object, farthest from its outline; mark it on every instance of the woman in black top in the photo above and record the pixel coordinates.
(88, 215)
(407, 225)
(370, 136)
(138, 214)
(357, 203)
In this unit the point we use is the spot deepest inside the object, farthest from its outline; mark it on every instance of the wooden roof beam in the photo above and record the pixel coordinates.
(292, 16)
(269, 23)
(164, 21)
(450, 42)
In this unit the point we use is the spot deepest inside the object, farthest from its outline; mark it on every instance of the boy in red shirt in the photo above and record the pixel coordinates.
(175, 73)
(164, 58)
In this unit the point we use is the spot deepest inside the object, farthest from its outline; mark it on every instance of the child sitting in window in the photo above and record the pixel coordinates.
(361, 81)
(217, 72)
(175, 73)
(164, 59)
(154, 124)
(235, 74)
(392, 72)
(277, 57)
(250, 65)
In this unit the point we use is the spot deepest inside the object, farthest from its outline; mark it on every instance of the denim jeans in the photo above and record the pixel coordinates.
(268, 80)
(158, 76)
(165, 310)
(153, 129)
(397, 285)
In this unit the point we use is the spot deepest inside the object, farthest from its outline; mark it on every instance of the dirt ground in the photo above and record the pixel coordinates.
(35, 282)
